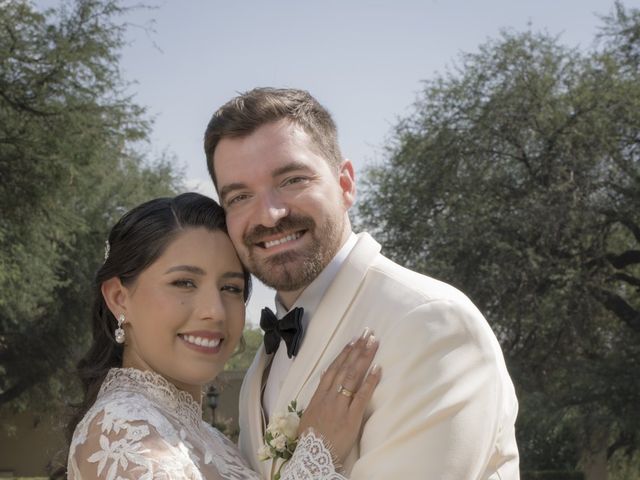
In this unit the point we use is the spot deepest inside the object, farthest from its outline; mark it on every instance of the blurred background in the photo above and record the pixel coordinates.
(496, 145)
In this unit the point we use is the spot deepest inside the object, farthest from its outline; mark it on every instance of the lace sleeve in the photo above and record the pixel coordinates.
(312, 460)
(119, 449)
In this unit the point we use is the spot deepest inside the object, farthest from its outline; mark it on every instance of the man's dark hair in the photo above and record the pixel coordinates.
(245, 113)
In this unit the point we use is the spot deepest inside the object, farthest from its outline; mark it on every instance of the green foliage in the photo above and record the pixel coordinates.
(243, 358)
(552, 475)
(517, 179)
(227, 428)
(544, 436)
(70, 166)
(623, 466)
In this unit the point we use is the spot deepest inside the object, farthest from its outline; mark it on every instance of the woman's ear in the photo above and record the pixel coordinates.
(115, 295)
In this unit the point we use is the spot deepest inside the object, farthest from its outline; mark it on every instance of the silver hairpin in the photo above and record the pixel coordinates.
(107, 248)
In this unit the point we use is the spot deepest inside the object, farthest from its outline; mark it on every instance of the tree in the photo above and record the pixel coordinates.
(71, 164)
(517, 178)
(242, 359)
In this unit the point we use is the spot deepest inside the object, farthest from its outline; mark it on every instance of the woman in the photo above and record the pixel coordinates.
(168, 313)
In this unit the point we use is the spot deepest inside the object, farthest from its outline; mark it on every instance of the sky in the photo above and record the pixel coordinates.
(364, 60)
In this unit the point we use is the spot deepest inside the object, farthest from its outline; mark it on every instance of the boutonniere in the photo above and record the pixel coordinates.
(281, 436)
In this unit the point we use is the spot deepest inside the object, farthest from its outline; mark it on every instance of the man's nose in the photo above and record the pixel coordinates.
(272, 210)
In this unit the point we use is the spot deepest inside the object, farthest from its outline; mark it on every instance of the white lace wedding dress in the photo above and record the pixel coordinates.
(143, 427)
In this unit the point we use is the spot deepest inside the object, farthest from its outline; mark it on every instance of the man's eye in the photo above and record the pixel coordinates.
(294, 180)
(184, 283)
(237, 199)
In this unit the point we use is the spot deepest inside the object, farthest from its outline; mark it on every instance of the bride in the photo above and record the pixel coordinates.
(168, 313)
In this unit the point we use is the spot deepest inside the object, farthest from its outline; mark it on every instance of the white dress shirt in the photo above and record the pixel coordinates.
(309, 300)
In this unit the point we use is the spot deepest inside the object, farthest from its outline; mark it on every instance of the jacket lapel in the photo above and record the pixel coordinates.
(327, 319)
(251, 403)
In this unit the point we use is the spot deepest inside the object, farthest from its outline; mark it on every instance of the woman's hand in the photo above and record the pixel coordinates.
(337, 408)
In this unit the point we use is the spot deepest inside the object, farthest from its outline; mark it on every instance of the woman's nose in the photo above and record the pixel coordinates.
(211, 306)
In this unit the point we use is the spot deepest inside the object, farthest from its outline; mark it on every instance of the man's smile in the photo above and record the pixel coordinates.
(287, 233)
(281, 240)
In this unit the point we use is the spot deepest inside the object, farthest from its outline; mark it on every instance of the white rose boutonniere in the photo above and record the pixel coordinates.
(281, 436)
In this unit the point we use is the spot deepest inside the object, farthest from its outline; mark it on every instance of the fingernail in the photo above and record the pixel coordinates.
(365, 334)
(375, 369)
(371, 341)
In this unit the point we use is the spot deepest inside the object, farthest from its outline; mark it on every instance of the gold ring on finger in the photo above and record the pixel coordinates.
(344, 391)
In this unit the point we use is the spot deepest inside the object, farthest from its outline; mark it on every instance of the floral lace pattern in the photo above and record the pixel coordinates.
(141, 426)
(311, 460)
(157, 388)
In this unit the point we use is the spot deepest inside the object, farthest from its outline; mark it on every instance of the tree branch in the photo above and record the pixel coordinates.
(631, 280)
(632, 227)
(623, 440)
(618, 306)
(18, 389)
(623, 260)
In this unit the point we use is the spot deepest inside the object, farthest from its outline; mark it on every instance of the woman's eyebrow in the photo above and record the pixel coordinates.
(239, 275)
(186, 268)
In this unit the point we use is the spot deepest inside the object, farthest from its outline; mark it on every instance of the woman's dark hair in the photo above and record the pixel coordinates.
(135, 242)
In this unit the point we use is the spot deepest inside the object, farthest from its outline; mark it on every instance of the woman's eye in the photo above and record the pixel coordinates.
(184, 283)
(232, 289)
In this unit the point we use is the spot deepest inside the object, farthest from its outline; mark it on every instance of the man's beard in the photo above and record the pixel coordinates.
(293, 270)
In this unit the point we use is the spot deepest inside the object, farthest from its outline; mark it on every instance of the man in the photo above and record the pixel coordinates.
(445, 407)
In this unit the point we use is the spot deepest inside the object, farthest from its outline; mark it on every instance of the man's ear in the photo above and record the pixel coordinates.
(347, 179)
(115, 295)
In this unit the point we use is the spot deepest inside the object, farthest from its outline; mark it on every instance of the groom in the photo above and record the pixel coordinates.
(445, 407)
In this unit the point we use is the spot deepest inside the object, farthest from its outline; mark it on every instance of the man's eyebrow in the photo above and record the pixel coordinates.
(186, 268)
(224, 191)
(289, 167)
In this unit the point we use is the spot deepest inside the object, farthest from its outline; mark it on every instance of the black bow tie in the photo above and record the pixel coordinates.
(289, 328)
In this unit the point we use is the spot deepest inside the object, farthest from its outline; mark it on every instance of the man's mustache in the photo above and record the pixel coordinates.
(286, 224)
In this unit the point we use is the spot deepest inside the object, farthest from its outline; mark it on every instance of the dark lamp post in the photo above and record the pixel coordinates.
(212, 401)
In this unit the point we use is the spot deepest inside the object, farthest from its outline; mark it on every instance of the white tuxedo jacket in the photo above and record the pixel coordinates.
(445, 407)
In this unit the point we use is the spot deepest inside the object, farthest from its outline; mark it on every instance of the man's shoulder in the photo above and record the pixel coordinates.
(386, 277)
(391, 277)
(394, 296)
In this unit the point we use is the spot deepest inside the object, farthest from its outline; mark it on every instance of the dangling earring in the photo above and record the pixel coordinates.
(119, 331)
